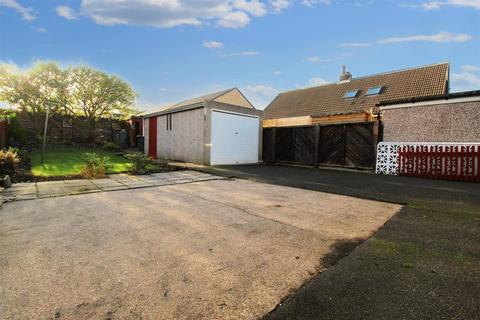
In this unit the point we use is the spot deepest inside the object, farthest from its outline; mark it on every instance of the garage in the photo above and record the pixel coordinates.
(215, 129)
(234, 138)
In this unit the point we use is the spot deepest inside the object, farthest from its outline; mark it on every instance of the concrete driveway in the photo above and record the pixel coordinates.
(223, 249)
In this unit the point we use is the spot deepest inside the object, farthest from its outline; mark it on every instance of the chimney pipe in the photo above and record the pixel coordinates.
(345, 75)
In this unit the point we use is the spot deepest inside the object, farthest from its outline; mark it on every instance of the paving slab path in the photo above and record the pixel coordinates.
(47, 189)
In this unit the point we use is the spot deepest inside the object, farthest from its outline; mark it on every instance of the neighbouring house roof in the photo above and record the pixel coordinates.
(231, 96)
(448, 96)
(329, 99)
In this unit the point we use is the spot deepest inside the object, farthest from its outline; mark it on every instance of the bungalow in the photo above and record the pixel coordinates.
(355, 99)
(218, 128)
(337, 123)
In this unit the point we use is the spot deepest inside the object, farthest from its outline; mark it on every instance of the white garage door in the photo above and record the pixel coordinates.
(234, 138)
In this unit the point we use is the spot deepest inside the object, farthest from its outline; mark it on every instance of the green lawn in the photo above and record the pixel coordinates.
(67, 162)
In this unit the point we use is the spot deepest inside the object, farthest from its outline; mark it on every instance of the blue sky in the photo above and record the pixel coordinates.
(169, 50)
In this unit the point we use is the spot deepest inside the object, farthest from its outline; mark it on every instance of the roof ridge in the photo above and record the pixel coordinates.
(402, 70)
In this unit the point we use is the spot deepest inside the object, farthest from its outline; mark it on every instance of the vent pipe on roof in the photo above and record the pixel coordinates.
(345, 75)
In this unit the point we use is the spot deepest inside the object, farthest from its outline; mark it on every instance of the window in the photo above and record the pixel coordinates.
(374, 90)
(169, 122)
(351, 94)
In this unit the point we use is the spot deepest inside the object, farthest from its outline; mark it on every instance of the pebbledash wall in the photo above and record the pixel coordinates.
(445, 121)
(441, 137)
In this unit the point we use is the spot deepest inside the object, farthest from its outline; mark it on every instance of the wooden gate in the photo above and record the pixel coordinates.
(349, 145)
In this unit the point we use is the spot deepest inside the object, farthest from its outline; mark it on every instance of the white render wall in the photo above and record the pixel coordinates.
(186, 141)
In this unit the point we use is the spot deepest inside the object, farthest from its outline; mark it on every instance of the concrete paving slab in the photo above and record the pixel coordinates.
(29, 191)
(222, 249)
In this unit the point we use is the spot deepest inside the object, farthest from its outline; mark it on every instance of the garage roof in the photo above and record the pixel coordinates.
(231, 96)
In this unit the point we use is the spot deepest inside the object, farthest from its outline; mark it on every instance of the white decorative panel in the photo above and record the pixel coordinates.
(387, 158)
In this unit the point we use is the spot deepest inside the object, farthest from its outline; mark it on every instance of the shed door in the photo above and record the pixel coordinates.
(152, 137)
(234, 138)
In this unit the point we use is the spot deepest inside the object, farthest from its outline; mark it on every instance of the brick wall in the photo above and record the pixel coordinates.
(452, 122)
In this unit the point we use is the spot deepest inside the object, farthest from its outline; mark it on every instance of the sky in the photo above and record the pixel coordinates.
(170, 50)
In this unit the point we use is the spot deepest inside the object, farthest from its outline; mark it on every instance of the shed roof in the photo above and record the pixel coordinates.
(329, 99)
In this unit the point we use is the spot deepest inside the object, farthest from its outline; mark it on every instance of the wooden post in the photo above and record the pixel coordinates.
(274, 145)
(376, 126)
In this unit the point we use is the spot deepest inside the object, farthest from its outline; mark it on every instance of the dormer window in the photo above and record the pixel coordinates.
(351, 94)
(374, 90)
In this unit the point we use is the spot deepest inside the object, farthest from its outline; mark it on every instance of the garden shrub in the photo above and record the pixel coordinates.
(110, 146)
(9, 161)
(9, 155)
(139, 162)
(96, 165)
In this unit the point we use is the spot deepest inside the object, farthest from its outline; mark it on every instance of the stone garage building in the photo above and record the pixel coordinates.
(219, 128)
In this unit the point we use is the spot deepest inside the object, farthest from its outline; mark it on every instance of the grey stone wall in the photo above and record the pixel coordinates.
(452, 122)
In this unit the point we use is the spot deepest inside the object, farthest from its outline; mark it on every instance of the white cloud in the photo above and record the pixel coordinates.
(253, 7)
(313, 59)
(41, 29)
(470, 68)
(234, 20)
(27, 13)
(244, 54)
(66, 12)
(433, 5)
(212, 44)
(277, 72)
(170, 13)
(280, 5)
(260, 95)
(465, 81)
(356, 44)
(338, 57)
(315, 82)
(441, 37)
(311, 3)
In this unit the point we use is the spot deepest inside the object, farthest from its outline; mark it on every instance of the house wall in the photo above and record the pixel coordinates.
(185, 142)
(440, 122)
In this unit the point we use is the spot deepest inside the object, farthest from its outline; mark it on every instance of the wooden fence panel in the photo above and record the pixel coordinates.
(332, 145)
(351, 145)
(3, 134)
(268, 152)
(304, 144)
(360, 145)
(284, 148)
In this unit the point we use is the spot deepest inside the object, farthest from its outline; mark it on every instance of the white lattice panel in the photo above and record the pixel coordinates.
(387, 158)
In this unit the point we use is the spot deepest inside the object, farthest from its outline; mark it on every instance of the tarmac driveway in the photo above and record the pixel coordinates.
(222, 249)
